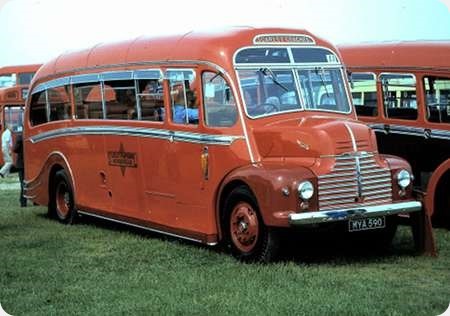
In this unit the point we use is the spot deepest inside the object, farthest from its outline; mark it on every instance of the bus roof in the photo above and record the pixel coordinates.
(212, 46)
(19, 69)
(417, 54)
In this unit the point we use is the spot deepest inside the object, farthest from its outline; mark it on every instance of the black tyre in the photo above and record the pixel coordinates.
(61, 204)
(244, 230)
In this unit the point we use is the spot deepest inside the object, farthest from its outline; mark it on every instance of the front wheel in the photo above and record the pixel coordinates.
(245, 232)
(61, 204)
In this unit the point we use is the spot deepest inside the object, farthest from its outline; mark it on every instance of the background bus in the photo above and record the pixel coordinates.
(14, 85)
(403, 91)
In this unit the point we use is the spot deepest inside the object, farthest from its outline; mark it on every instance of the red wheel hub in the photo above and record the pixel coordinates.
(62, 199)
(244, 226)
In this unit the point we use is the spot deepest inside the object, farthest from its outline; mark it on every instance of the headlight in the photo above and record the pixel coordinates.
(403, 178)
(305, 190)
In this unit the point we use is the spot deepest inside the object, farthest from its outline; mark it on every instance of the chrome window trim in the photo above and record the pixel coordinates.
(47, 106)
(382, 94)
(426, 105)
(39, 88)
(100, 77)
(203, 98)
(350, 104)
(239, 105)
(102, 91)
(86, 78)
(287, 66)
(268, 114)
(138, 99)
(291, 56)
(57, 83)
(148, 74)
(298, 86)
(116, 75)
(168, 78)
(406, 74)
(376, 89)
(169, 70)
(365, 73)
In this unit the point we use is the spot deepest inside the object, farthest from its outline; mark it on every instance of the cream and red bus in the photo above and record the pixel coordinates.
(224, 137)
(14, 82)
(403, 91)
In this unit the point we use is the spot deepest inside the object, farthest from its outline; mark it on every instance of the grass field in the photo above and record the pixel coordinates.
(94, 268)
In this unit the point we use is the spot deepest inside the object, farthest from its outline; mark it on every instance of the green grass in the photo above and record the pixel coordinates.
(94, 268)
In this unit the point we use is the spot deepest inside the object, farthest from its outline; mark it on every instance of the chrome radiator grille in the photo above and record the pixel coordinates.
(354, 180)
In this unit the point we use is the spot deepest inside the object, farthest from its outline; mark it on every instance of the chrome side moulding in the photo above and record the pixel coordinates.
(198, 138)
(145, 227)
(357, 212)
(410, 130)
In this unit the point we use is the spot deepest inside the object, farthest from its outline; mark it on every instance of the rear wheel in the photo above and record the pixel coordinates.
(246, 234)
(61, 204)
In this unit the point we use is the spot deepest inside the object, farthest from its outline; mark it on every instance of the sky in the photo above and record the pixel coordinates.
(34, 31)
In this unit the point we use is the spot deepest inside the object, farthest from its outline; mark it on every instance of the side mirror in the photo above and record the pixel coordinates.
(350, 79)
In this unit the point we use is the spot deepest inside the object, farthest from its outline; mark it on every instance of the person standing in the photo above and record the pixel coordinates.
(6, 150)
(18, 149)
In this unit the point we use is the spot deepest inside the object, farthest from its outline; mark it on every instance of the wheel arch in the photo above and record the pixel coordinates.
(55, 162)
(438, 178)
(266, 183)
(222, 195)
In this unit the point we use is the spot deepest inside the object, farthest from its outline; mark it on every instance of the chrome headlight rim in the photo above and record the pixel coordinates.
(305, 190)
(403, 178)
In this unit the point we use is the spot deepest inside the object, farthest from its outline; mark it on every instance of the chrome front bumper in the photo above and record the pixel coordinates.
(359, 212)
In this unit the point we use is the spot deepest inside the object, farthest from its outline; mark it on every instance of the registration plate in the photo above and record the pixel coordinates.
(356, 225)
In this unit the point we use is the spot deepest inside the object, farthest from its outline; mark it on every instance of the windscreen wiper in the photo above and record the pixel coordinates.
(319, 71)
(268, 72)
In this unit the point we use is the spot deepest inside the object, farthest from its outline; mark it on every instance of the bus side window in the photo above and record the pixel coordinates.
(88, 101)
(59, 100)
(399, 96)
(437, 99)
(364, 93)
(120, 100)
(38, 108)
(218, 101)
(14, 117)
(151, 99)
(183, 99)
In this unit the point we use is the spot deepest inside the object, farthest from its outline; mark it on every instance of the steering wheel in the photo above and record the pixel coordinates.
(265, 108)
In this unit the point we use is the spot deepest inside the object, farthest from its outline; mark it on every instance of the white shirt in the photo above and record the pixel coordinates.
(6, 139)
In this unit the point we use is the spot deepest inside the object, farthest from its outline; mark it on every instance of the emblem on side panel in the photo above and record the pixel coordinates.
(122, 159)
